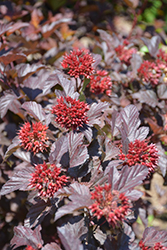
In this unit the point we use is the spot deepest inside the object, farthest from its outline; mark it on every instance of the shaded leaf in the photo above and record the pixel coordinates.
(111, 41)
(48, 29)
(5, 27)
(34, 109)
(25, 69)
(80, 197)
(31, 93)
(162, 161)
(77, 151)
(58, 149)
(12, 148)
(17, 26)
(99, 235)
(37, 213)
(27, 236)
(19, 180)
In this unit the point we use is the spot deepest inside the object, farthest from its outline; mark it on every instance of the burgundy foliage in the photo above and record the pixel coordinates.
(83, 123)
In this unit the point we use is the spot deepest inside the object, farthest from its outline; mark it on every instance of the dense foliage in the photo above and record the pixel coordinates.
(83, 129)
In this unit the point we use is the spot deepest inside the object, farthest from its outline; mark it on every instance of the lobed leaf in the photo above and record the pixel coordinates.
(26, 236)
(19, 180)
(80, 197)
(78, 152)
(34, 109)
(70, 234)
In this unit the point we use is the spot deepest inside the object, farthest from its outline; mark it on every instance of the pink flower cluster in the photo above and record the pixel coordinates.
(150, 72)
(100, 82)
(113, 205)
(33, 137)
(139, 152)
(157, 246)
(47, 179)
(70, 113)
(78, 62)
(124, 54)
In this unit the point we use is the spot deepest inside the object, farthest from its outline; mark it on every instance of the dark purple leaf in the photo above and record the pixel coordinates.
(58, 149)
(51, 246)
(152, 44)
(37, 213)
(80, 197)
(24, 156)
(127, 179)
(97, 59)
(17, 26)
(131, 177)
(146, 96)
(8, 101)
(152, 236)
(20, 180)
(12, 148)
(70, 234)
(39, 81)
(88, 133)
(77, 151)
(5, 27)
(26, 236)
(135, 61)
(24, 70)
(100, 235)
(67, 85)
(34, 109)
(162, 91)
(162, 161)
(129, 129)
(95, 112)
(114, 122)
(111, 41)
(31, 93)
(48, 29)
(110, 149)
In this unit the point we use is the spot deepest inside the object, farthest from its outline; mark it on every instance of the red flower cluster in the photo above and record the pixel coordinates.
(162, 55)
(33, 137)
(124, 54)
(149, 72)
(78, 62)
(29, 248)
(113, 205)
(70, 113)
(140, 152)
(100, 82)
(47, 179)
(157, 246)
